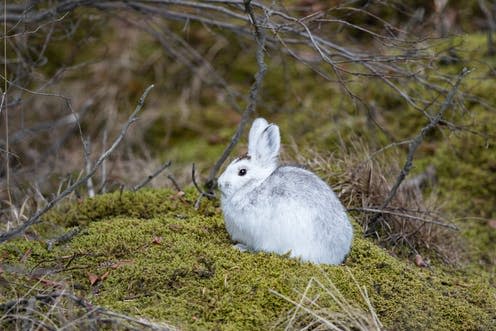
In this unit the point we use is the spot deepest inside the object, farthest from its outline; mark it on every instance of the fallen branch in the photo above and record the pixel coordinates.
(36, 218)
(415, 143)
(211, 182)
(62, 239)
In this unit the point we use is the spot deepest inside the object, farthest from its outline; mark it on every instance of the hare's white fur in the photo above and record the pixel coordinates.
(282, 209)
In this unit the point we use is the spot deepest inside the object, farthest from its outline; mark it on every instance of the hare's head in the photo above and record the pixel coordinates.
(261, 160)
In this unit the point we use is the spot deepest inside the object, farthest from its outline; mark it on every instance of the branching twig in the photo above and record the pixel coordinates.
(202, 192)
(415, 143)
(152, 176)
(211, 182)
(36, 218)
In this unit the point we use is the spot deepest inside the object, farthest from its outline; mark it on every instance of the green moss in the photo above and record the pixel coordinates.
(193, 278)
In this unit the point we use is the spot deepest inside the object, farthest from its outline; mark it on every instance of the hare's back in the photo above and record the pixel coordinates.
(301, 186)
(301, 198)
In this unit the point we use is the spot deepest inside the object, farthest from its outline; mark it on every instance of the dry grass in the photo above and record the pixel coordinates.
(414, 219)
(309, 314)
(62, 310)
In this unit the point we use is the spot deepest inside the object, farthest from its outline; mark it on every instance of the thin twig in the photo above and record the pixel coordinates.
(103, 179)
(174, 183)
(209, 195)
(211, 181)
(36, 218)
(415, 143)
(87, 153)
(153, 175)
(62, 239)
(4, 100)
(408, 216)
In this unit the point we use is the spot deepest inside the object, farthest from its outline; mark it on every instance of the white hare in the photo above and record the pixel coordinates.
(281, 209)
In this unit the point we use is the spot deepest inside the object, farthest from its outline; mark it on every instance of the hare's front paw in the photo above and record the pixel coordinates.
(241, 247)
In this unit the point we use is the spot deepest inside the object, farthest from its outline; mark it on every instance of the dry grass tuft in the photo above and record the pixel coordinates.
(312, 310)
(62, 310)
(414, 221)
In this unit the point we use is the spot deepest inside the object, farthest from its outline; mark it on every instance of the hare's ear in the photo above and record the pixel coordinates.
(255, 132)
(266, 151)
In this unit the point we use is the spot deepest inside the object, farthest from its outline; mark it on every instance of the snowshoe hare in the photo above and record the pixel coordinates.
(281, 209)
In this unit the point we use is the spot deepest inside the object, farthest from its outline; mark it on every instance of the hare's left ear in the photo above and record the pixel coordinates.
(256, 130)
(268, 144)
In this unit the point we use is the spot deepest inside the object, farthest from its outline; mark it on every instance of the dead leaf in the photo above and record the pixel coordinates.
(93, 278)
(105, 275)
(121, 263)
(419, 261)
(50, 283)
(492, 224)
(157, 240)
(179, 195)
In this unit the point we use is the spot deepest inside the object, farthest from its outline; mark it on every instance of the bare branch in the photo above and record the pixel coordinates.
(67, 236)
(87, 152)
(36, 218)
(210, 195)
(211, 182)
(174, 183)
(152, 176)
(491, 50)
(415, 143)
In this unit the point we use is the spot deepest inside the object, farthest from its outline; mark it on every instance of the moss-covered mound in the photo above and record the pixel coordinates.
(151, 254)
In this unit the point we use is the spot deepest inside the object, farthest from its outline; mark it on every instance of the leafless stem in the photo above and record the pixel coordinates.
(210, 195)
(152, 176)
(415, 143)
(36, 218)
(62, 239)
(174, 183)
(103, 180)
(87, 152)
(491, 50)
(211, 182)
(407, 216)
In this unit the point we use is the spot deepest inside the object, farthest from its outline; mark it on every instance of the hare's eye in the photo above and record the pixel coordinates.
(242, 172)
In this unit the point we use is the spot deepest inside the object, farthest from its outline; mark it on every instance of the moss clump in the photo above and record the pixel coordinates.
(160, 258)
